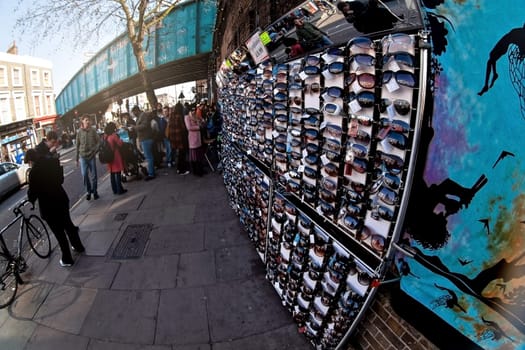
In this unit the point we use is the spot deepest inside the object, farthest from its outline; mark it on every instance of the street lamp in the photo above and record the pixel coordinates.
(181, 96)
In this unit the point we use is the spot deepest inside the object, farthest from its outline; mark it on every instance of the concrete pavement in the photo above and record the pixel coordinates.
(167, 266)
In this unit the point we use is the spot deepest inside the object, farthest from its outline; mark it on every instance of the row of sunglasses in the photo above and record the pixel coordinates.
(318, 281)
(323, 289)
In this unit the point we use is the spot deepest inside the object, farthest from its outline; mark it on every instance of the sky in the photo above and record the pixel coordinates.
(66, 60)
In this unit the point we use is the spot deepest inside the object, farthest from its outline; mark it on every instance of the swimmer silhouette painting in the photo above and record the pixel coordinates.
(450, 300)
(429, 210)
(516, 37)
(494, 331)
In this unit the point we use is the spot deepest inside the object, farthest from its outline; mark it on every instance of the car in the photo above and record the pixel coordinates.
(12, 176)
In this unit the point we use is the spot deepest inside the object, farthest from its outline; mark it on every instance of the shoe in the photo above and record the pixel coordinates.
(185, 172)
(65, 264)
(79, 249)
(88, 197)
(95, 196)
(169, 165)
(149, 177)
(123, 191)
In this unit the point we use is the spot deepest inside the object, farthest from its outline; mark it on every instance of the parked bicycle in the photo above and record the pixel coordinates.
(13, 264)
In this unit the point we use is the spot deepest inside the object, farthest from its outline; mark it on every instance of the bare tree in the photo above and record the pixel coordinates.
(87, 20)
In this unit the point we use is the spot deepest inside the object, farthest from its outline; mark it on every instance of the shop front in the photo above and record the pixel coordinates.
(16, 138)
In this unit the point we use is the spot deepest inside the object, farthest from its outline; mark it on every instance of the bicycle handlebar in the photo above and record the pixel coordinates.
(18, 208)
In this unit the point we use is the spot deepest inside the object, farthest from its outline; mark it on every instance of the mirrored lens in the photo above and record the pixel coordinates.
(402, 77)
(311, 70)
(336, 67)
(335, 92)
(363, 60)
(364, 98)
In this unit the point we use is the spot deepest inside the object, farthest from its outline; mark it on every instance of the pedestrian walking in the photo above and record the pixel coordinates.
(145, 137)
(45, 184)
(87, 144)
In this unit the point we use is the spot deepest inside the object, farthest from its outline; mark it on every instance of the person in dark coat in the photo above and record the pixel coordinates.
(45, 184)
(178, 136)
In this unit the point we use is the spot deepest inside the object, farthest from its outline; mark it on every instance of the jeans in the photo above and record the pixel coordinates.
(147, 148)
(88, 169)
(116, 182)
(167, 148)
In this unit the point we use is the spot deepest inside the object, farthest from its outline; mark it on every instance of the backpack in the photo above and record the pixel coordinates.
(105, 152)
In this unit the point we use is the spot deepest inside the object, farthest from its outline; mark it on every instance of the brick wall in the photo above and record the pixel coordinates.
(381, 328)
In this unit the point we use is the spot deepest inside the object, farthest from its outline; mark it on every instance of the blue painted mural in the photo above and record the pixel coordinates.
(466, 218)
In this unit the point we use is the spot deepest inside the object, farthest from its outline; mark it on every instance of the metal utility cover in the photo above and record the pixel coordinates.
(132, 242)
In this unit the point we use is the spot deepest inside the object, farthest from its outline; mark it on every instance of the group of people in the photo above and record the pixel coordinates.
(178, 134)
(174, 136)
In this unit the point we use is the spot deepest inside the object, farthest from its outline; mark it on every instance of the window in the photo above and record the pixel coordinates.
(3, 76)
(35, 77)
(5, 111)
(37, 103)
(20, 108)
(49, 105)
(47, 78)
(17, 77)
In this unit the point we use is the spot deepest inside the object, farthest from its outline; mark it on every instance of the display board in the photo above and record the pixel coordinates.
(319, 157)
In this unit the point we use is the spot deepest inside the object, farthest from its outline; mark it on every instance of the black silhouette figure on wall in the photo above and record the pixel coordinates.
(450, 300)
(515, 37)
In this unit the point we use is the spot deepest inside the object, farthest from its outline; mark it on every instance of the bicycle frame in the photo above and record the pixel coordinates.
(19, 217)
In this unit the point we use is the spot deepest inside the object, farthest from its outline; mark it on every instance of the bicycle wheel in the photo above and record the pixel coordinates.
(8, 282)
(37, 236)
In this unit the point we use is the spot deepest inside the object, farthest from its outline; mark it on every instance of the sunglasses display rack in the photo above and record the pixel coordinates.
(320, 282)
(321, 152)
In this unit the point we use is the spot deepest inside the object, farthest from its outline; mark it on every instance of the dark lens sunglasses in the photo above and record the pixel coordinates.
(395, 125)
(335, 51)
(311, 70)
(396, 139)
(365, 99)
(404, 58)
(402, 77)
(336, 67)
(363, 60)
(312, 60)
(402, 107)
(361, 42)
(335, 92)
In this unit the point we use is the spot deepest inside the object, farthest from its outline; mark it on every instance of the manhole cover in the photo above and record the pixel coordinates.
(121, 216)
(132, 242)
